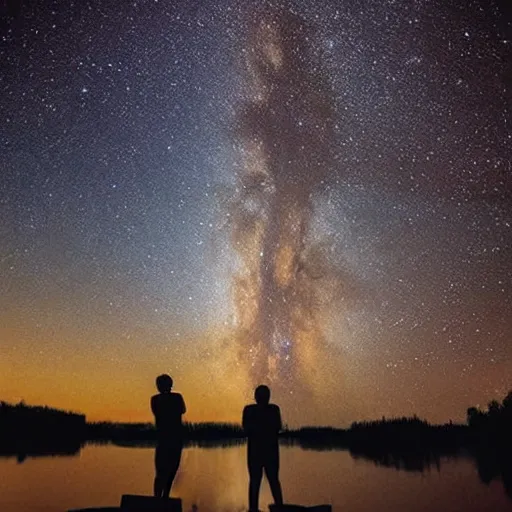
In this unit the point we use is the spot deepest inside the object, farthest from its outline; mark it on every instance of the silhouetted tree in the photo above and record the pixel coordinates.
(475, 417)
(494, 408)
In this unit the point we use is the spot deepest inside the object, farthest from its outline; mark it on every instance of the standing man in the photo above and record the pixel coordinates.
(262, 423)
(168, 408)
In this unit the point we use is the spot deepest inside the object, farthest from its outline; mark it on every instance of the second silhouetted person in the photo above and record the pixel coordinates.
(262, 423)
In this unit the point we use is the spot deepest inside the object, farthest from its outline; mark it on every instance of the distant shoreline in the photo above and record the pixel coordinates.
(22, 425)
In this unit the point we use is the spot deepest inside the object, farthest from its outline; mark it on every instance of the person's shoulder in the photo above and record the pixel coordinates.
(250, 407)
(274, 407)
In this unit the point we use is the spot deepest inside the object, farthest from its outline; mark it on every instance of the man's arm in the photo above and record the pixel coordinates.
(183, 406)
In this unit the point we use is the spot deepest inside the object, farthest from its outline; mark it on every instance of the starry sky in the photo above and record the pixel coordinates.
(312, 195)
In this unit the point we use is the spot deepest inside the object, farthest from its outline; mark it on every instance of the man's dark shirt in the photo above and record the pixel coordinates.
(168, 409)
(262, 423)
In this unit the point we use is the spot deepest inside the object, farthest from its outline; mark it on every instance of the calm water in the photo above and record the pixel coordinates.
(215, 479)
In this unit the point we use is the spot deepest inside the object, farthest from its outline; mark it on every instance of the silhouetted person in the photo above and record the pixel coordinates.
(168, 408)
(262, 423)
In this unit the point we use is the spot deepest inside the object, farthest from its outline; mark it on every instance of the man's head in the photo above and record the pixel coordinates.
(164, 383)
(262, 394)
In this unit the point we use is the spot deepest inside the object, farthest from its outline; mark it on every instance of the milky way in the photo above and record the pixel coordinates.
(287, 129)
(315, 195)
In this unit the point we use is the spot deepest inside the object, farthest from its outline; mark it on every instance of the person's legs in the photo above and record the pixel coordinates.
(172, 468)
(272, 472)
(255, 476)
(158, 484)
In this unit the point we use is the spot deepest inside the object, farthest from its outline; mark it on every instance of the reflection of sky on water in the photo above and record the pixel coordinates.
(215, 480)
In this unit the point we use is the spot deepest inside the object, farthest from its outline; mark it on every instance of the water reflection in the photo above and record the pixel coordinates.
(65, 447)
(407, 461)
(34, 448)
(215, 479)
(491, 464)
(200, 443)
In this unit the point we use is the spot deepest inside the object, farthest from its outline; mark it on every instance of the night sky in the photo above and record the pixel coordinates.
(316, 195)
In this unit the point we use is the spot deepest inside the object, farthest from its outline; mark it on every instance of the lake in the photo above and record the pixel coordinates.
(215, 479)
